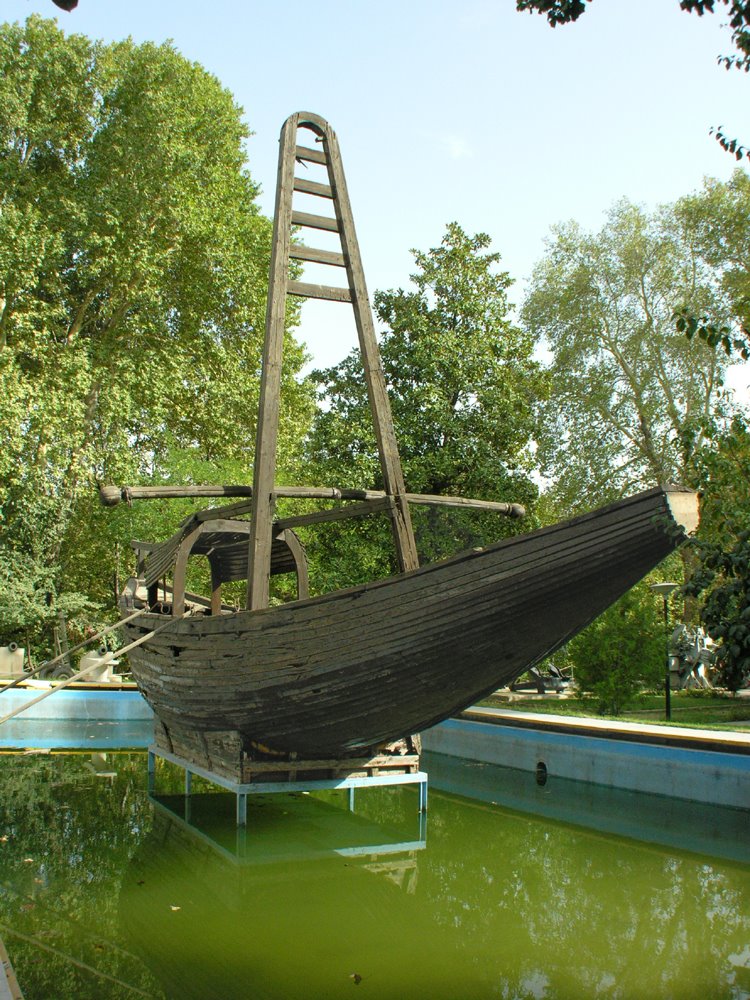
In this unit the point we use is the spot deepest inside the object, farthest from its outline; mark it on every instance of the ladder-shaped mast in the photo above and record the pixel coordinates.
(280, 285)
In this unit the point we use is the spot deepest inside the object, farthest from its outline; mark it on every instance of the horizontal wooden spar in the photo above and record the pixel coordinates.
(335, 514)
(380, 502)
(298, 251)
(312, 155)
(111, 495)
(331, 293)
(509, 509)
(315, 221)
(304, 186)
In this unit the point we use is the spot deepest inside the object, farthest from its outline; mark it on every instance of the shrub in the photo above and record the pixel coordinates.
(621, 652)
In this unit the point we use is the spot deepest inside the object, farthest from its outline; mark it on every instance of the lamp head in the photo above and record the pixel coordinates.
(663, 589)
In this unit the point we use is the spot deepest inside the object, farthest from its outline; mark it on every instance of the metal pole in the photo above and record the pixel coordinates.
(667, 688)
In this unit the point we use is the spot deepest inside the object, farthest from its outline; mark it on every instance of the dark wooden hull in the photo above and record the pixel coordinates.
(341, 674)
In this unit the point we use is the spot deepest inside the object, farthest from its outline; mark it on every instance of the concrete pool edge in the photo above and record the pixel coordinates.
(694, 765)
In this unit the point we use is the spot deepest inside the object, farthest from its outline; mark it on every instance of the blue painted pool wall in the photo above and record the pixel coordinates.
(692, 774)
(106, 705)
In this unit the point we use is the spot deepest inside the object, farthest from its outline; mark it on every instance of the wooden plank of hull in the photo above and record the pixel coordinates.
(350, 670)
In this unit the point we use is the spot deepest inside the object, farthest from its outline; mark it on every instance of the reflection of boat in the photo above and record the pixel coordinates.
(321, 828)
(343, 673)
(307, 911)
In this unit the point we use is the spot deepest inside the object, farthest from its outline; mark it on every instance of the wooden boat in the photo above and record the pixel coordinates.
(343, 674)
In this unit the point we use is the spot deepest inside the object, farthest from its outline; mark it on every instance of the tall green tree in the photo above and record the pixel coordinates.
(631, 398)
(133, 275)
(718, 219)
(463, 384)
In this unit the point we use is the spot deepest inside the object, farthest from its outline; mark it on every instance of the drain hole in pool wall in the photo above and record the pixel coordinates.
(541, 773)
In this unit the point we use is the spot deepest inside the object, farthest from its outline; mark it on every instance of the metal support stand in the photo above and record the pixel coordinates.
(242, 791)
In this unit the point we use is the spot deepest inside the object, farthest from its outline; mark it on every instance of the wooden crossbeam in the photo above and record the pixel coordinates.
(308, 291)
(299, 251)
(304, 186)
(315, 221)
(313, 155)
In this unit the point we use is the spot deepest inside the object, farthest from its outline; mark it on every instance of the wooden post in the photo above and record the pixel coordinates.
(259, 557)
(380, 407)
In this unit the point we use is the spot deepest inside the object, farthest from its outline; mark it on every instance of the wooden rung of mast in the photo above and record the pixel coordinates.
(304, 186)
(330, 292)
(298, 251)
(315, 221)
(312, 155)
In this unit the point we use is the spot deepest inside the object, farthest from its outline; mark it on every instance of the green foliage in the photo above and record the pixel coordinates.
(722, 577)
(630, 395)
(556, 11)
(718, 221)
(462, 383)
(133, 276)
(621, 652)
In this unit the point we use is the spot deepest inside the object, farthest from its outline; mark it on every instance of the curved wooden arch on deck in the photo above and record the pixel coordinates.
(284, 537)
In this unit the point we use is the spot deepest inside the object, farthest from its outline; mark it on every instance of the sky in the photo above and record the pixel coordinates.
(463, 111)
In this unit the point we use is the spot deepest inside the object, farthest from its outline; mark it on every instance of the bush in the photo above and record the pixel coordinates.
(621, 652)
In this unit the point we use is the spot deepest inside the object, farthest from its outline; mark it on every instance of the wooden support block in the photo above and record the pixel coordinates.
(311, 770)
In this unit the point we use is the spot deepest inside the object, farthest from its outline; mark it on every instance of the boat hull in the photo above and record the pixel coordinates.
(341, 674)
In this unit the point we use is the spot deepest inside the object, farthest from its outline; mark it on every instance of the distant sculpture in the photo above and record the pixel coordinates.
(692, 657)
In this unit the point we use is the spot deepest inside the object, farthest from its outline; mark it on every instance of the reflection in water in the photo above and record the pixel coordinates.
(718, 831)
(315, 901)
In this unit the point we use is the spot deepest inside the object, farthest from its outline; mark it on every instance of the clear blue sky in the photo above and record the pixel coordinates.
(463, 110)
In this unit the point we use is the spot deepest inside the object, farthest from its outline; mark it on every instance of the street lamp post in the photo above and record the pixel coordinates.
(663, 590)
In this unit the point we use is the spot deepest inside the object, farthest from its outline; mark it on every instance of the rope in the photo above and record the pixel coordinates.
(104, 659)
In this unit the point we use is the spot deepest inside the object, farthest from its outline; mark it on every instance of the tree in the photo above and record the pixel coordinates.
(718, 219)
(722, 578)
(133, 275)
(630, 397)
(463, 384)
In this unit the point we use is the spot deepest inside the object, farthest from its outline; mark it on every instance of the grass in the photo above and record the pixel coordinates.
(703, 710)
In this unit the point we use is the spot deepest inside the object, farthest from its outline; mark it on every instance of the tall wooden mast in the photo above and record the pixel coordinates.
(280, 286)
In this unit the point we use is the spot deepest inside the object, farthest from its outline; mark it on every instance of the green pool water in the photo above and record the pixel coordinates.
(107, 894)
